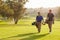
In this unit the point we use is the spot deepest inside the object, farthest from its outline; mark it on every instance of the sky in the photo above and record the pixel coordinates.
(42, 3)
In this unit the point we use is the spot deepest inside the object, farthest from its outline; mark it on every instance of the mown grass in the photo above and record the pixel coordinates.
(25, 31)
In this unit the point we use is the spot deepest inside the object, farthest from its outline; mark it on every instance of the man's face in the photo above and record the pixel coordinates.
(50, 11)
(39, 13)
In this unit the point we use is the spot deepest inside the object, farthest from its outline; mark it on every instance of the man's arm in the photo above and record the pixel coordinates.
(47, 17)
(53, 18)
(36, 18)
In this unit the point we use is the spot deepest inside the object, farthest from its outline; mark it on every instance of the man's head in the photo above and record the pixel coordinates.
(39, 13)
(50, 11)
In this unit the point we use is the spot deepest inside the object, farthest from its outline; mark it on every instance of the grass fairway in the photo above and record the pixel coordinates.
(25, 31)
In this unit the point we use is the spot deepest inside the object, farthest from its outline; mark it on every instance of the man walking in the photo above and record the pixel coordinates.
(39, 19)
(50, 18)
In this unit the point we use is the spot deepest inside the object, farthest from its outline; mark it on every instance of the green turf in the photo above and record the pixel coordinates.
(25, 31)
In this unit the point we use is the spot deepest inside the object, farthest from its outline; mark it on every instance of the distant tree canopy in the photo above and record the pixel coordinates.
(12, 8)
(59, 13)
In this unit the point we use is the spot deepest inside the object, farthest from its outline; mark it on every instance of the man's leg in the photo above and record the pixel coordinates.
(50, 26)
(39, 27)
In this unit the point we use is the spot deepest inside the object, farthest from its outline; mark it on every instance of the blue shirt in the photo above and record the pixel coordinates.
(39, 18)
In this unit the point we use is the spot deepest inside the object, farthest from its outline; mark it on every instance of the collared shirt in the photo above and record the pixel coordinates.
(50, 16)
(39, 18)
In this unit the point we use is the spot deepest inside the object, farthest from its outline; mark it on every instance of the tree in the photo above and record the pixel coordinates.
(13, 8)
(18, 8)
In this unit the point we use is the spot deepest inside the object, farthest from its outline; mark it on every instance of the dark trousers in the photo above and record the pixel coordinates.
(38, 26)
(50, 25)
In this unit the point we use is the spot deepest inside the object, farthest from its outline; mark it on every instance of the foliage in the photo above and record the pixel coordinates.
(59, 13)
(14, 9)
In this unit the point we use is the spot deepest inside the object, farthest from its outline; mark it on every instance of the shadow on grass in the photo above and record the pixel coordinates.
(19, 35)
(31, 36)
(1, 21)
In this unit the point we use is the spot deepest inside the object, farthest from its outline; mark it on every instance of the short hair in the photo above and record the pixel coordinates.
(50, 10)
(38, 12)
